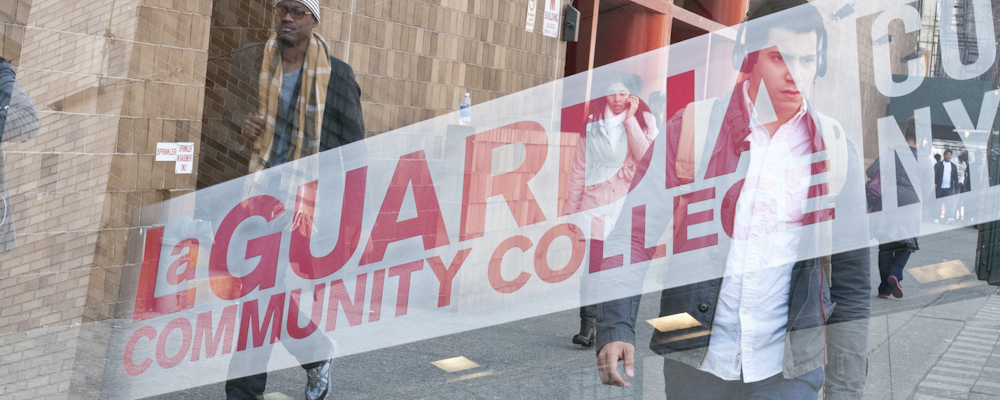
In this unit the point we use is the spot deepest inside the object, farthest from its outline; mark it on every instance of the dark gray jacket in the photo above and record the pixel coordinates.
(939, 174)
(232, 94)
(906, 194)
(343, 121)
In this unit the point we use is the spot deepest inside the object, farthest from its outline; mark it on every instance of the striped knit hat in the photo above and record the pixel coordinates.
(312, 4)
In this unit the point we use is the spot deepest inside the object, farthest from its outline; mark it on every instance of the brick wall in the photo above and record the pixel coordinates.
(416, 59)
(13, 16)
(110, 79)
(413, 59)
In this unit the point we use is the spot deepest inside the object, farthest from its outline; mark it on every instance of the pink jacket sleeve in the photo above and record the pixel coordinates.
(577, 177)
(586, 197)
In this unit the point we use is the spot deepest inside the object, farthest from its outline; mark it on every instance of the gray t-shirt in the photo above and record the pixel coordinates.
(283, 137)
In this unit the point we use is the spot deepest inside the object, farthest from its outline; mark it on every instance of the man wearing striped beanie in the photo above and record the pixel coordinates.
(292, 99)
(320, 105)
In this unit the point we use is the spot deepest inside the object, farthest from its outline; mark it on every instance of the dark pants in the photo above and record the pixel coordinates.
(313, 347)
(252, 387)
(892, 258)
(686, 382)
(588, 315)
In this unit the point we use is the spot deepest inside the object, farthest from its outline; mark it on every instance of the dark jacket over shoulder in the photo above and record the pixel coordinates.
(343, 122)
(939, 174)
(906, 194)
(342, 119)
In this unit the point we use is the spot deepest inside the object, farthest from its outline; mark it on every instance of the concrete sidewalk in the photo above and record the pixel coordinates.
(940, 341)
(970, 366)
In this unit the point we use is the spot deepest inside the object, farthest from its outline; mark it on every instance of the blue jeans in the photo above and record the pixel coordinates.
(892, 258)
(686, 382)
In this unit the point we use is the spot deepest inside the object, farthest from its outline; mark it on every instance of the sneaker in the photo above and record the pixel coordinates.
(883, 296)
(319, 381)
(897, 290)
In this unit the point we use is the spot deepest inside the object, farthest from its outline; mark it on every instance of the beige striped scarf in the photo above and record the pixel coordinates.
(309, 107)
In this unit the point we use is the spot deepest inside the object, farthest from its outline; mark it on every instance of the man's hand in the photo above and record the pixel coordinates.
(607, 362)
(303, 223)
(253, 125)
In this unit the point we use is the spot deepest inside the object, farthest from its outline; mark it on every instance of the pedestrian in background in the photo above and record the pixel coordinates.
(945, 179)
(620, 128)
(893, 255)
(963, 172)
(963, 183)
(292, 99)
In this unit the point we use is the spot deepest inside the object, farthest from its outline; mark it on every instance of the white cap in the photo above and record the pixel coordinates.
(312, 4)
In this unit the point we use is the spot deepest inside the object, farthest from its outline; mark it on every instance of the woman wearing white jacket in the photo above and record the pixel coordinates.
(620, 128)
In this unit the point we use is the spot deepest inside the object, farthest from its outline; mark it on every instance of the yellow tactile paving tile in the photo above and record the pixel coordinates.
(455, 364)
(939, 271)
(674, 322)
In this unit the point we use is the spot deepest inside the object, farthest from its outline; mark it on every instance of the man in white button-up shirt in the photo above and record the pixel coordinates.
(945, 178)
(752, 310)
(760, 331)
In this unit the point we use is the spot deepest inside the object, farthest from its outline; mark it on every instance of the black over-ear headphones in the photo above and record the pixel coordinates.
(740, 51)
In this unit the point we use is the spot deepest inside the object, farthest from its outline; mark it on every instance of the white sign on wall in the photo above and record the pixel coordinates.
(550, 27)
(185, 158)
(529, 24)
(182, 153)
(166, 152)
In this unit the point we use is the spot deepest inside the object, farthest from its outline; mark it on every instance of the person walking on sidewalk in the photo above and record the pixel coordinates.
(768, 325)
(292, 99)
(945, 180)
(619, 130)
(892, 256)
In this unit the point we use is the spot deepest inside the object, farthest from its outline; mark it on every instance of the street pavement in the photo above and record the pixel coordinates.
(940, 341)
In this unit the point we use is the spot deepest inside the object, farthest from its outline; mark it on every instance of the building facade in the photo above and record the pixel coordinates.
(114, 80)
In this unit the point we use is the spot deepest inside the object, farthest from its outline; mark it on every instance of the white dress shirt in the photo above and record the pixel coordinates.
(946, 175)
(748, 333)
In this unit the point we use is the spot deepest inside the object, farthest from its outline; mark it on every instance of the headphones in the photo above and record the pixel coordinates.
(740, 51)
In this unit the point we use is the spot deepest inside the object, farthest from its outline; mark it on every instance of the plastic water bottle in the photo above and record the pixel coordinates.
(465, 115)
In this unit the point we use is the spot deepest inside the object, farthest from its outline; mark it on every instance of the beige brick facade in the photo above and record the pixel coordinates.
(111, 78)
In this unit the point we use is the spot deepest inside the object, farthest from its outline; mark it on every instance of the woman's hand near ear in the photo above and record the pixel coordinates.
(633, 106)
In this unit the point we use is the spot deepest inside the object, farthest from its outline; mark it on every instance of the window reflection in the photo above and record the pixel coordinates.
(249, 198)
